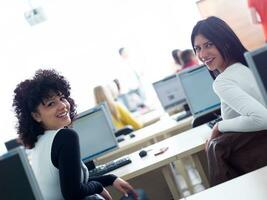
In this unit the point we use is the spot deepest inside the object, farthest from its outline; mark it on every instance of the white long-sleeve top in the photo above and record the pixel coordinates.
(242, 106)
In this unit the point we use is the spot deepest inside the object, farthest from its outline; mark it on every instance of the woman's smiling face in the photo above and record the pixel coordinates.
(208, 53)
(53, 112)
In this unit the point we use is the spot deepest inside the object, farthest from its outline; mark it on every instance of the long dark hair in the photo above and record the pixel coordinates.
(29, 94)
(222, 36)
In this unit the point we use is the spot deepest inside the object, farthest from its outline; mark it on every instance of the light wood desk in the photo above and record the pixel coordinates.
(150, 117)
(179, 146)
(147, 136)
(247, 187)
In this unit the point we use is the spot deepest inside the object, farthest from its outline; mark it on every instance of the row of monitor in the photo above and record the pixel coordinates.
(96, 131)
(192, 86)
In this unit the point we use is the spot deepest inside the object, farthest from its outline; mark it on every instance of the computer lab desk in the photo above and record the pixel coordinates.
(185, 144)
(150, 117)
(146, 136)
(247, 187)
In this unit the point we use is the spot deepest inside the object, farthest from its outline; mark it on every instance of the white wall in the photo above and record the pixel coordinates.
(80, 39)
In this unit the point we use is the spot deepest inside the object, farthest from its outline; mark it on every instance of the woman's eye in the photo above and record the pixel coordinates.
(50, 103)
(63, 98)
(197, 49)
(209, 44)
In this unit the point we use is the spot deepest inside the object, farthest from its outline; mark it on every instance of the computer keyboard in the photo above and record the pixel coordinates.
(110, 166)
(213, 122)
(183, 116)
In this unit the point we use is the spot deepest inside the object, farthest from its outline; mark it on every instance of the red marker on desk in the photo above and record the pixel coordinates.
(161, 151)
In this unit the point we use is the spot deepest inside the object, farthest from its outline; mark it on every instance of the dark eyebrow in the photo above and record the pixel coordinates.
(207, 42)
(203, 43)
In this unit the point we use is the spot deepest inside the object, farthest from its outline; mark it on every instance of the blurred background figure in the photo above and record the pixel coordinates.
(121, 117)
(188, 59)
(128, 77)
(176, 57)
(258, 10)
(130, 87)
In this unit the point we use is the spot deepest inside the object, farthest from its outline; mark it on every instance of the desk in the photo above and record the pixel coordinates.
(182, 145)
(247, 187)
(150, 117)
(147, 135)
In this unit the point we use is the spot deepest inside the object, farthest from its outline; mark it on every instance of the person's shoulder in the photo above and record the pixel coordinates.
(233, 71)
(67, 134)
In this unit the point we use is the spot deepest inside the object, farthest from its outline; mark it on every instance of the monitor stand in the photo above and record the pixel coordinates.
(206, 118)
(186, 114)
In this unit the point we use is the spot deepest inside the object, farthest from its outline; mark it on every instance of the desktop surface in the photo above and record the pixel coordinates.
(178, 147)
(164, 128)
(247, 187)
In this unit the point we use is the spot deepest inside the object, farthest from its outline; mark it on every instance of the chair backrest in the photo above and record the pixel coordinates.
(124, 131)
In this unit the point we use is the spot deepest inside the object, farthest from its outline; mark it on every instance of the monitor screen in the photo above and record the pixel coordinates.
(197, 84)
(257, 61)
(17, 179)
(96, 132)
(170, 92)
(132, 100)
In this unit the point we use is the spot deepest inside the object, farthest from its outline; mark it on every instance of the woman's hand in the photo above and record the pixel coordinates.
(214, 133)
(124, 187)
(105, 194)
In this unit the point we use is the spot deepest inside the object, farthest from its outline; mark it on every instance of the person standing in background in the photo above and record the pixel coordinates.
(129, 78)
(258, 10)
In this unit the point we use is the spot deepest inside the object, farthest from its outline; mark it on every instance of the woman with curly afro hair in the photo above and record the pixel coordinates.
(45, 110)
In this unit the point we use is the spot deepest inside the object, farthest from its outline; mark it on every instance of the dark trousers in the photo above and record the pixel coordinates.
(233, 154)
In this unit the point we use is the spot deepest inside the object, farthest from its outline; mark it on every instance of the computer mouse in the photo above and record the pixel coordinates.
(142, 153)
(132, 135)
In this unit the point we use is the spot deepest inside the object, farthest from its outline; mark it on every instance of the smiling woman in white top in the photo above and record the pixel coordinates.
(45, 110)
(242, 106)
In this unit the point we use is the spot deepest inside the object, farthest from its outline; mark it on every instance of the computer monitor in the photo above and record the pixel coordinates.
(197, 85)
(17, 178)
(11, 144)
(133, 100)
(257, 61)
(170, 92)
(96, 132)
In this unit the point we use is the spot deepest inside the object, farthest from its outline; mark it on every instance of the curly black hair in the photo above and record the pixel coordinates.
(29, 94)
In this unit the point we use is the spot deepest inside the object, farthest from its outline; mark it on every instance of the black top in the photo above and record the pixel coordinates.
(65, 156)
